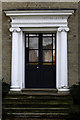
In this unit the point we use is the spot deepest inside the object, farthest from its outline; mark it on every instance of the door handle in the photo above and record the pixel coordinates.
(37, 67)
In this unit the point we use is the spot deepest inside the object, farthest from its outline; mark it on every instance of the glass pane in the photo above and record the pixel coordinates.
(26, 41)
(33, 55)
(53, 43)
(33, 43)
(53, 55)
(47, 34)
(33, 34)
(47, 42)
(47, 55)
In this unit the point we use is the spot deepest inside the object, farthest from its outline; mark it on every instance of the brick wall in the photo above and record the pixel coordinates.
(72, 37)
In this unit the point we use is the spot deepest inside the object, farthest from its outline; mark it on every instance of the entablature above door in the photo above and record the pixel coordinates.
(39, 18)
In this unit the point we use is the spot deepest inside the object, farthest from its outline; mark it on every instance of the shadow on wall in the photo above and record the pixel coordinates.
(74, 113)
(5, 88)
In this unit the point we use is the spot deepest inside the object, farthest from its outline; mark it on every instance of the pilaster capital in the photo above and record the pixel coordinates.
(12, 29)
(61, 29)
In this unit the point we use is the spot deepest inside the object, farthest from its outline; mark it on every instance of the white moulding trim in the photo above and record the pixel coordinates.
(39, 12)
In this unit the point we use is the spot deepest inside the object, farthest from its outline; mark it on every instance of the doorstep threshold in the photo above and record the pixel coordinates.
(39, 89)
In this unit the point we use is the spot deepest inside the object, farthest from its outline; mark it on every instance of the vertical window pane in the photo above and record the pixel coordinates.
(47, 42)
(47, 55)
(27, 42)
(33, 43)
(53, 43)
(53, 55)
(33, 55)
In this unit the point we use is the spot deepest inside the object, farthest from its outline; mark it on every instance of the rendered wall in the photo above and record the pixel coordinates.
(79, 41)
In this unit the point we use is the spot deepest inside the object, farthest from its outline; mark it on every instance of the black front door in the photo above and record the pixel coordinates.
(40, 60)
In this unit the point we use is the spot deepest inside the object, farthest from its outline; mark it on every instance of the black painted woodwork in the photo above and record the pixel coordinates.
(38, 75)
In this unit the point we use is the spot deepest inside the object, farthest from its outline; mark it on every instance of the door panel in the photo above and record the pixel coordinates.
(32, 82)
(48, 79)
(48, 76)
(40, 61)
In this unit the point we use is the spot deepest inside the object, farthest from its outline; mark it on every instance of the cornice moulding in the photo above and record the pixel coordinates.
(39, 12)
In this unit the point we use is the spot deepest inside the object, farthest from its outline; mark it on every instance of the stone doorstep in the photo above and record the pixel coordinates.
(31, 91)
(39, 90)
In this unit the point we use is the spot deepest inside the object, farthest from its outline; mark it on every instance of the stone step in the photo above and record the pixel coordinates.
(31, 101)
(37, 97)
(38, 102)
(10, 118)
(37, 115)
(37, 93)
(37, 106)
(35, 110)
(23, 105)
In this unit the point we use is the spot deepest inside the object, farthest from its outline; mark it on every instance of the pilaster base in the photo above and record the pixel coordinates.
(63, 90)
(15, 88)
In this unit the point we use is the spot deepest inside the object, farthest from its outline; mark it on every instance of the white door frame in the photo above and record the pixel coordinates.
(42, 21)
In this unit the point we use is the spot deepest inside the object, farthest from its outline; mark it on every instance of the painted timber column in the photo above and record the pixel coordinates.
(63, 59)
(15, 59)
